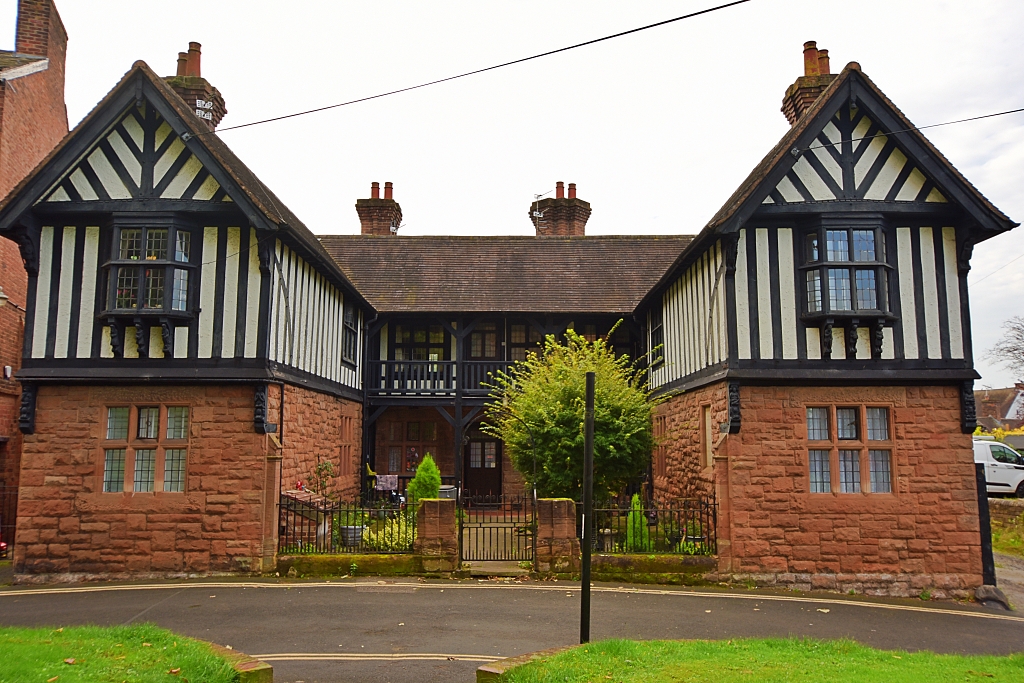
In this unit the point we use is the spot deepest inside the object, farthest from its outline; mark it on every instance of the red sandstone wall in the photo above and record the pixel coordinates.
(923, 535)
(66, 524)
(317, 426)
(685, 472)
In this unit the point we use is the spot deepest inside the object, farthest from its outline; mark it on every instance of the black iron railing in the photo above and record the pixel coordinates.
(310, 524)
(8, 519)
(687, 527)
(431, 378)
(375, 497)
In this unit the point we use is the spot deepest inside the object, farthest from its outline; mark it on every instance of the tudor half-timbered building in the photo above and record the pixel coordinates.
(817, 351)
(192, 350)
(189, 344)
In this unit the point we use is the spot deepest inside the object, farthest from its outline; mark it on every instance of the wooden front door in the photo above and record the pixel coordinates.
(482, 467)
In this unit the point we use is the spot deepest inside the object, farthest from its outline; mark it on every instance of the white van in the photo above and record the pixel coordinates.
(1004, 467)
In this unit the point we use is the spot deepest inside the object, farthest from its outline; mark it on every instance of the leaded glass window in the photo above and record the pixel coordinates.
(881, 471)
(849, 275)
(820, 471)
(849, 471)
(149, 271)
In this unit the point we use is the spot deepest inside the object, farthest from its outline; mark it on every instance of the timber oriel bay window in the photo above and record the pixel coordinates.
(149, 270)
(845, 272)
(849, 441)
(151, 443)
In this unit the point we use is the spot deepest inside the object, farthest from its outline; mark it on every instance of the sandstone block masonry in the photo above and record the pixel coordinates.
(225, 519)
(924, 535)
(315, 427)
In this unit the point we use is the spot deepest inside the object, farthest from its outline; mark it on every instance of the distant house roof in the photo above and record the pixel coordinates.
(599, 274)
(1002, 405)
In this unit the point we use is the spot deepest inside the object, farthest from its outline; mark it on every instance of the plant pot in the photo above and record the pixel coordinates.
(350, 535)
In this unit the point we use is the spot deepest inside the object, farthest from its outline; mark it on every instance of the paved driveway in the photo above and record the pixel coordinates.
(405, 630)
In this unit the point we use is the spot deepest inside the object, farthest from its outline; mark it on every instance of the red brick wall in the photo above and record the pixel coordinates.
(68, 526)
(34, 116)
(317, 426)
(33, 119)
(925, 535)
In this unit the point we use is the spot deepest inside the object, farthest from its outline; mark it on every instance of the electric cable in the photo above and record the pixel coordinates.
(485, 69)
(907, 130)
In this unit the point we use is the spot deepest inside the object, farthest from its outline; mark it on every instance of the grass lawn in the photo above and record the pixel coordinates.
(139, 653)
(790, 660)
(1009, 538)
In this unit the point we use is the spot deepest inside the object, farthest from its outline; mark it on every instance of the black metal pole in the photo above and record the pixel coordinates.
(588, 509)
(988, 564)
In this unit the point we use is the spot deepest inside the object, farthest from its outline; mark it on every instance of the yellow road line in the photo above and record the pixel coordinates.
(371, 657)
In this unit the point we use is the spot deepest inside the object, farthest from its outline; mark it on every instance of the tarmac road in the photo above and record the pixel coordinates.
(402, 630)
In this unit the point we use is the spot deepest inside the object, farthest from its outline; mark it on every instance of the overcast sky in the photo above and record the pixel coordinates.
(657, 129)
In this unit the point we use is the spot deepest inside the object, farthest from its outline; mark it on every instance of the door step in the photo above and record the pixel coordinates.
(496, 568)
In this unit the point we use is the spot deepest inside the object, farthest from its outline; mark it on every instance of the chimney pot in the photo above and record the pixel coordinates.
(388, 191)
(572, 190)
(182, 63)
(823, 68)
(559, 190)
(811, 67)
(194, 53)
(375, 190)
(556, 217)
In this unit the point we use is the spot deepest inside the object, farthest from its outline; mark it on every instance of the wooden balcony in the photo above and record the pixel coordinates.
(432, 379)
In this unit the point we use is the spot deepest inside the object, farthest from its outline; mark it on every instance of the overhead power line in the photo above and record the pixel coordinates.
(907, 130)
(489, 68)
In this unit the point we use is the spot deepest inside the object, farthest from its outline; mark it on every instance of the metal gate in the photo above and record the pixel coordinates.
(497, 528)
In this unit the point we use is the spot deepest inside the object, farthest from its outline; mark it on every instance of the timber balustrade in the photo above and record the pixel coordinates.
(432, 378)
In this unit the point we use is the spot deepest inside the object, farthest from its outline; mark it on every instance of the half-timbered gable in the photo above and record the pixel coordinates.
(849, 243)
(152, 249)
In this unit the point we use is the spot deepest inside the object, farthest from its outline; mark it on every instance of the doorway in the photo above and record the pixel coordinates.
(482, 467)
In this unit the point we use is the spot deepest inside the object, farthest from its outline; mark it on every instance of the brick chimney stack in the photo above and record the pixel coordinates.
(817, 76)
(379, 216)
(560, 215)
(197, 92)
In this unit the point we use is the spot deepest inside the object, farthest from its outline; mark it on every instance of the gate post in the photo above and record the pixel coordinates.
(437, 535)
(557, 547)
(988, 564)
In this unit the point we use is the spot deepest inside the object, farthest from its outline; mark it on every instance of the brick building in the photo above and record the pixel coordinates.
(33, 120)
(192, 349)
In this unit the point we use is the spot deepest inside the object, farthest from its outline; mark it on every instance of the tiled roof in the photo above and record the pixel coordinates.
(600, 274)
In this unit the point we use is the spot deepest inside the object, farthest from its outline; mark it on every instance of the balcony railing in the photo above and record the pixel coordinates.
(431, 378)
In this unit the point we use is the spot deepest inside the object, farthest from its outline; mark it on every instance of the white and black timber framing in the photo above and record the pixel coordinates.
(925, 216)
(140, 160)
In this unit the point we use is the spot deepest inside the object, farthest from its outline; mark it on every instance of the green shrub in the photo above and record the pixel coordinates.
(426, 483)
(395, 534)
(638, 535)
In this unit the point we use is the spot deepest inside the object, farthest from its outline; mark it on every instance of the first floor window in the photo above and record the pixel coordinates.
(113, 470)
(848, 275)
(147, 264)
(657, 337)
(350, 334)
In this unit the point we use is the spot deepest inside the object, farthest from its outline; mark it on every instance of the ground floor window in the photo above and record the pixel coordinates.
(855, 442)
(149, 441)
(408, 442)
